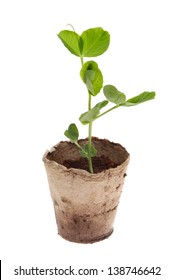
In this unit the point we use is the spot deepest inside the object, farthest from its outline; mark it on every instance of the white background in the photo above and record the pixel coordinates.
(41, 94)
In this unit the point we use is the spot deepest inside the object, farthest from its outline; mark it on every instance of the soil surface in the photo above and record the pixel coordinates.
(99, 164)
(109, 155)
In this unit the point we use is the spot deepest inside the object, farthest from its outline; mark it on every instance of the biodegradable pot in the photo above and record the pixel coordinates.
(85, 204)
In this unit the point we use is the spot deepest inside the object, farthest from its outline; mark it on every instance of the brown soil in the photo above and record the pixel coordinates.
(99, 164)
(109, 155)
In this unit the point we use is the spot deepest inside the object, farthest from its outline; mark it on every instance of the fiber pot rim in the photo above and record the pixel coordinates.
(82, 172)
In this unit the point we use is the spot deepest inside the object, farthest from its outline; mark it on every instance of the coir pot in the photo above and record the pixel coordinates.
(85, 204)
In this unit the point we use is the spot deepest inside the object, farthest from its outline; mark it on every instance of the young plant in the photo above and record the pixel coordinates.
(92, 43)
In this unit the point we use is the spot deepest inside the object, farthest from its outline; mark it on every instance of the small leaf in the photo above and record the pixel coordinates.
(93, 151)
(143, 97)
(114, 95)
(101, 104)
(89, 116)
(72, 41)
(83, 153)
(72, 132)
(95, 42)
(87, 151)
(89, 78)
(92, 77)
(90, 74)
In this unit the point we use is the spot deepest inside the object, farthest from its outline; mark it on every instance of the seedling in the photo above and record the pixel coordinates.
(94, 42)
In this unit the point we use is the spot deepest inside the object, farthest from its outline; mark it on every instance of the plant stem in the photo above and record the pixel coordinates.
(90, 165)
(104, 113)
(90, 137)
(81, 59)
(90, 131)
(89, 101)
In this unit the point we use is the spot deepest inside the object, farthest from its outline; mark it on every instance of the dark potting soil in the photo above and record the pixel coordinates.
(109, 155)
(99, 164)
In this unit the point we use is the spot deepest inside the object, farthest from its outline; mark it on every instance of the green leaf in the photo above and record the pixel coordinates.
(89, 79)
(92, 77)
(72, 41)
(72, 132)
(143, 97)
(101, 104)
(88, 151)
(114, 95)
(95, 42)
(89, 116)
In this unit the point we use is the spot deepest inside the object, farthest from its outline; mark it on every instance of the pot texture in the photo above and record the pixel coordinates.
(85, 204)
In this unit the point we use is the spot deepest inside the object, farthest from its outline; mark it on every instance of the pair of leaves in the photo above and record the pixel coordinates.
(73, 134)
(119, 98)
(91, 43)
(91, 115)
(92, 77)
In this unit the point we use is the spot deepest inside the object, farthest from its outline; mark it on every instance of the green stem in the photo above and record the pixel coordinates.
(90, 137)
(81, 59)
(90, 165)
(89, 101)
(104, 113)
